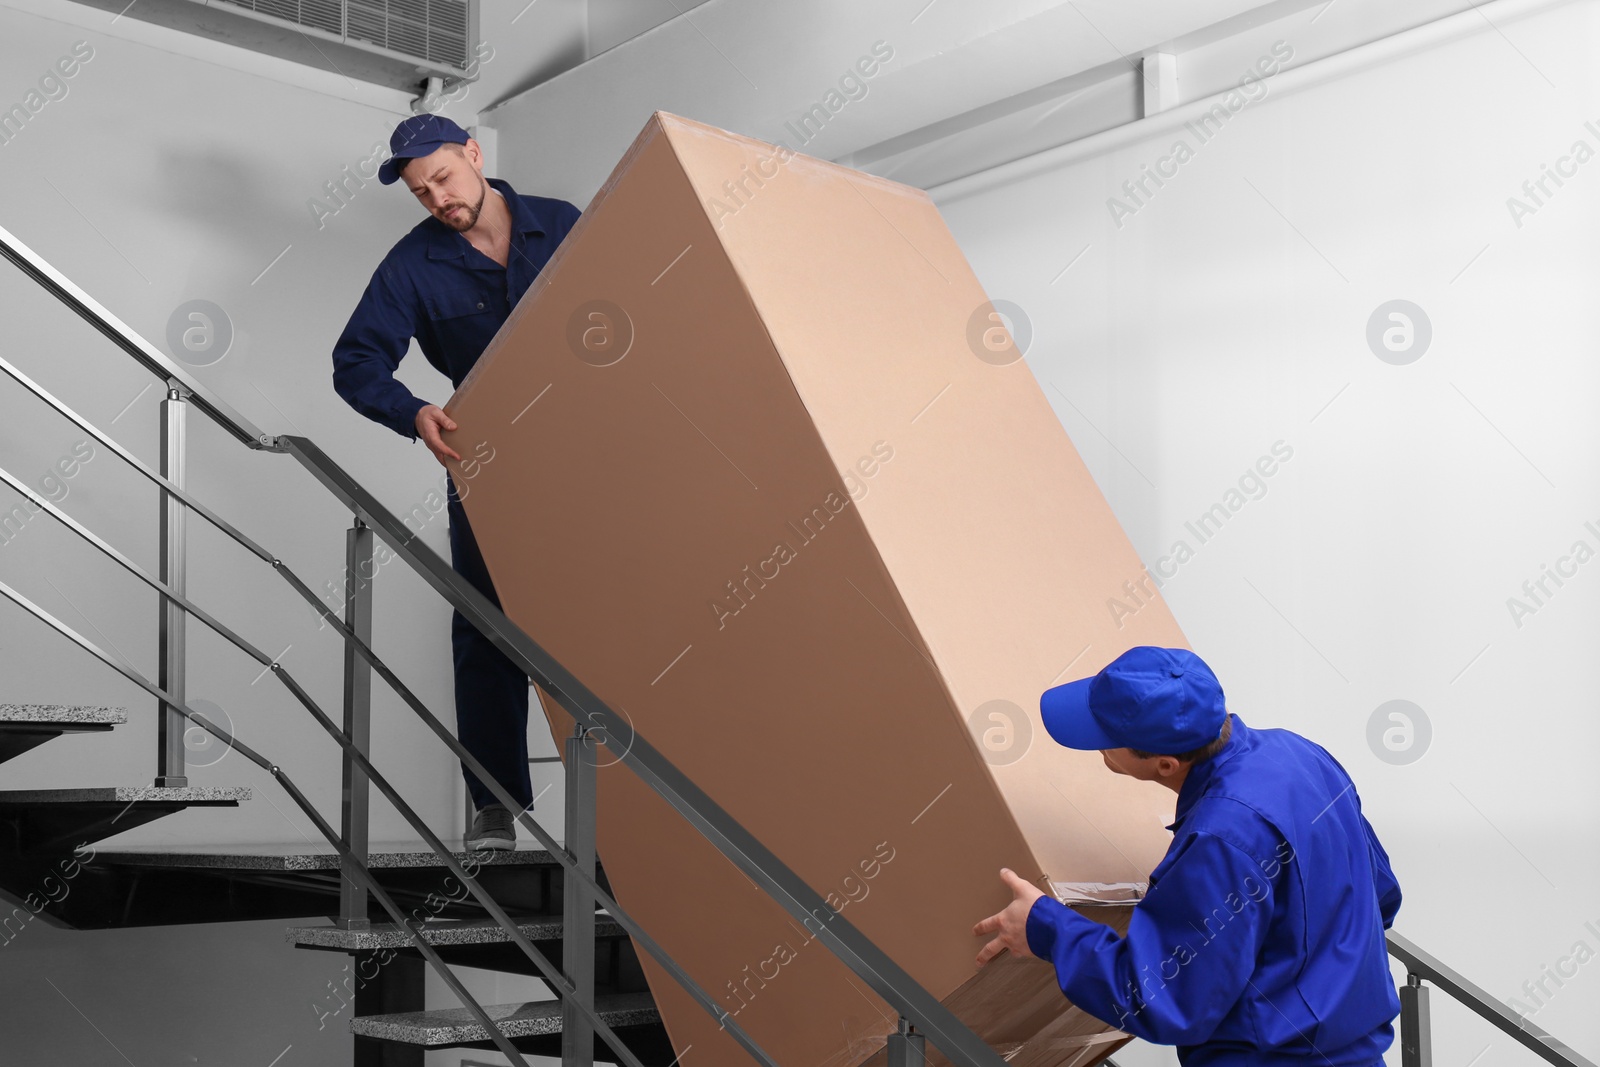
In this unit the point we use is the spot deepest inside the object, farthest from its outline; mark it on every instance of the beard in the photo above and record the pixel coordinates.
(468, 216)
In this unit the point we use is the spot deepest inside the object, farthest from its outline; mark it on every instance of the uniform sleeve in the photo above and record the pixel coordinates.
(1191, 946)
(370, 349)
(1383, 879)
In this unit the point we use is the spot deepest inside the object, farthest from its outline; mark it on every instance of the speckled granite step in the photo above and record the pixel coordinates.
(300, 880)
(449, 1027)
(471, 932)
(44, 820)
(128, 794)
(27, 726)
(300, 856)
(62, 714)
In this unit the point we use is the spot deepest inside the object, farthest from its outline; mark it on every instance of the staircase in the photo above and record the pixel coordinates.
(38, 826)
(48, 832)
(26, 726)
(622, 997)
(533, 1027)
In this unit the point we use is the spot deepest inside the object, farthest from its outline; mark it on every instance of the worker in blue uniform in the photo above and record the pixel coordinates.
(450, 283)
(1261, 937)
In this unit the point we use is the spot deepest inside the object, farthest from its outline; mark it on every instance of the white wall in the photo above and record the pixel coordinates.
(172, 171)
(611, 22)
(1230, 312)
(159, 179)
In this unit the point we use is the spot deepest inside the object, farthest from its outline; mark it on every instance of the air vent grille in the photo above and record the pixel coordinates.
(431, 30)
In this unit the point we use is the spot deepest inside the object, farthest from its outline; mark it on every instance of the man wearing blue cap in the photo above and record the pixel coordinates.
(450, 283)
(1260, 939)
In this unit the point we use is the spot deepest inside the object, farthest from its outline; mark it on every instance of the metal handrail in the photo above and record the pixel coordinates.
(1422, 965)
(153, 360)
(404, 692)
(770, 874)
(892, 983)
(134, 569)
(170, 595)
(549, 970)
(369, 883)
(134, 461)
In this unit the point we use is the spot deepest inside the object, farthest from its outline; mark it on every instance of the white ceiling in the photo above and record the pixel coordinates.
(752, 67)
(1207, 61)
(567, 84)
(528, 42)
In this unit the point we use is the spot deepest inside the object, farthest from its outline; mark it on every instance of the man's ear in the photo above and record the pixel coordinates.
(1167, 766)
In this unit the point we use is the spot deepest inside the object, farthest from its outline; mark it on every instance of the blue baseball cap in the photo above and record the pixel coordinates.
(1161, 700)
(415, 137)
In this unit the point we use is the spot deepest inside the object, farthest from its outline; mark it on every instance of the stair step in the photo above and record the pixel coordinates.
(127, 794)
(301, 856)
(63, 714)
(41, 820)
(300, 881)
(470, 932)
(449, 1027)
(26, 726)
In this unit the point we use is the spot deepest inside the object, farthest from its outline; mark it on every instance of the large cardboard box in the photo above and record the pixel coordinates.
(756, 459)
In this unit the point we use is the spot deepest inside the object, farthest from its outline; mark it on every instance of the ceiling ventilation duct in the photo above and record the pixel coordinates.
(396, 43)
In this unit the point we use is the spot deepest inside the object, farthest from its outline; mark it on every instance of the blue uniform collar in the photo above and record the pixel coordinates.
(1201, 775)
(445, 243)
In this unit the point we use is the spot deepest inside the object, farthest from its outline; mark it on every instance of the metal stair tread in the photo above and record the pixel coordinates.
(301, 856)
(52, 714)
(467, 932)
(127, 794)
(454, 1026)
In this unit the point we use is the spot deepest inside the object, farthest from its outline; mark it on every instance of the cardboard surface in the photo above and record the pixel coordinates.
(741, 460)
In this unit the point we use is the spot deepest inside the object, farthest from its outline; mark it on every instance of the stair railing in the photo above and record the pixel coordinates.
(1416, 1033)
(352, 866)
(356, 763)
(922, 1017)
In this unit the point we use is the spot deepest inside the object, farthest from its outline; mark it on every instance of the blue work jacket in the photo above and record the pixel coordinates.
(1260, 940)
(434, 286)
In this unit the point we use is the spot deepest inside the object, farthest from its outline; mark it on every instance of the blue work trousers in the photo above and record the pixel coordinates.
(491, 691)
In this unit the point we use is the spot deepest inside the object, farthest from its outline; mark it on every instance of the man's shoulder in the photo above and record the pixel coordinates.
(1281, 748)
(1290, 756)
(399, 265)
(1282, 779)
(1236, 820)
(1243, 794)
(552, 214)
(414, 242)
(549, 210)
(548, 203)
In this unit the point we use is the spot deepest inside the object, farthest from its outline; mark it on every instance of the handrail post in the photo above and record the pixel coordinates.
(577, 902)
(353, 806)
(1416, 1034)
(907, 1048)
(170, 768)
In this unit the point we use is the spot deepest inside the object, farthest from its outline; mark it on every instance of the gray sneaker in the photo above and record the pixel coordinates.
(493, 827)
